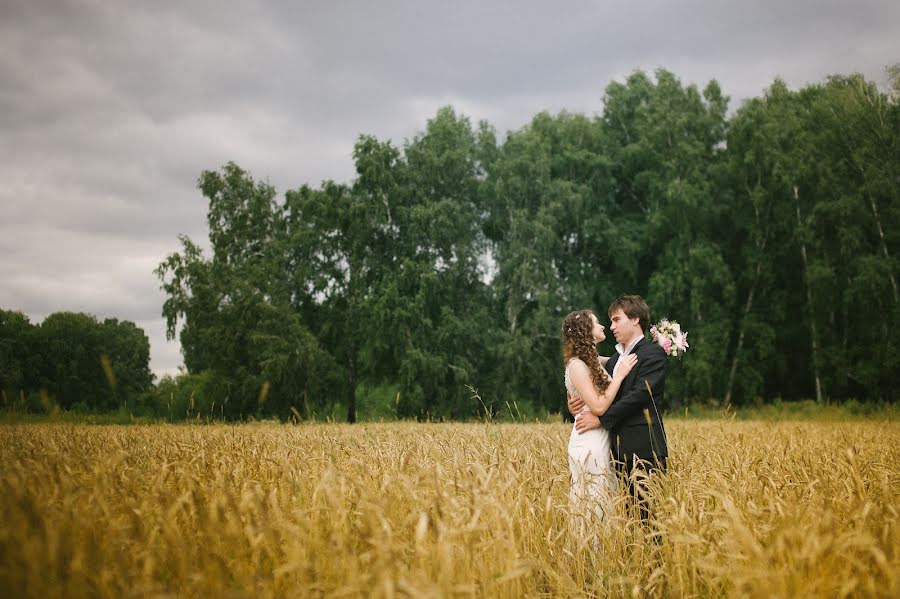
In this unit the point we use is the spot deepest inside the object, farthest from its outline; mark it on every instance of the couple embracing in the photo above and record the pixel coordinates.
(614, 402)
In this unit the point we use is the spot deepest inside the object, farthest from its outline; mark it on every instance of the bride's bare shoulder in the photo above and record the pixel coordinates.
(577, 363)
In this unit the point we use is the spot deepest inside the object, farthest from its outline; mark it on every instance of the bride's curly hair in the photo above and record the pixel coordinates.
(578, 342)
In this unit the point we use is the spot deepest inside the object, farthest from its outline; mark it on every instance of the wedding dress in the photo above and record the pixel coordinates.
(593, 478)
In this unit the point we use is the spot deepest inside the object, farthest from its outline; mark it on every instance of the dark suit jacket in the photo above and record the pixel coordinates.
(627, 417)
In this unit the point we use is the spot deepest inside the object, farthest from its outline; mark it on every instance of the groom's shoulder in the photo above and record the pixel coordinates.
(648, 348)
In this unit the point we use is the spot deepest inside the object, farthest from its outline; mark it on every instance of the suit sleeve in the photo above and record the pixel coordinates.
(651, 367)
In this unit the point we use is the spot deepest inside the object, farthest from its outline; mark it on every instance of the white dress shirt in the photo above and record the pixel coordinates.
(624, 351)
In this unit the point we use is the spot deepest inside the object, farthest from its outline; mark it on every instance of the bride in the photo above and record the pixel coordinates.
(586, 377)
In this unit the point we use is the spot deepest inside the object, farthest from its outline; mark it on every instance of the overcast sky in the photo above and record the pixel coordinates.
(109, 110)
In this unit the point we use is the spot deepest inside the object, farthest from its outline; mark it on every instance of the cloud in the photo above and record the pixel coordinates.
(110, 110)
(50, 270)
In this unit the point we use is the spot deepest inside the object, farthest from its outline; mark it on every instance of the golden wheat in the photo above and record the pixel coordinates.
(747, 509)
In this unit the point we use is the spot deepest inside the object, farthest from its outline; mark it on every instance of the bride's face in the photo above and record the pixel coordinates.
(598, 331)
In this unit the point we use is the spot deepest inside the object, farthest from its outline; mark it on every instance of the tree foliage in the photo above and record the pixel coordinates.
(448, 262)
(432, 284)
(73, 361)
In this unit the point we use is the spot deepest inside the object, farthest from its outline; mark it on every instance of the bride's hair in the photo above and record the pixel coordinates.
(578, 342)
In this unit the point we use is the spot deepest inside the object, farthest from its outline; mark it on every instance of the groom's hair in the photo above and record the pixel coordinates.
(633, 306)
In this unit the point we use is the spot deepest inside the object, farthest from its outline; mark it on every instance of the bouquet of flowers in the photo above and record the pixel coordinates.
(669, 336)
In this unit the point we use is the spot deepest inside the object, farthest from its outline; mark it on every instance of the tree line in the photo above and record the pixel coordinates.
(444, 267)
(433, 283)
(72, 361)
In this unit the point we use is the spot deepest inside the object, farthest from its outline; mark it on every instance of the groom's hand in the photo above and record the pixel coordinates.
(575, 404)
(586, 422)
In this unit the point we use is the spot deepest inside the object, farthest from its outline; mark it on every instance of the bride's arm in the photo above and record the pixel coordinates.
(603, 360)
(598, 403)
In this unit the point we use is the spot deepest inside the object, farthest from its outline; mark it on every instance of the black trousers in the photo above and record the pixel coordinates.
(634, 473)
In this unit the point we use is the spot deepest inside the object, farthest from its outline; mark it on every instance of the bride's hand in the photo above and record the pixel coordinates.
(625, 367)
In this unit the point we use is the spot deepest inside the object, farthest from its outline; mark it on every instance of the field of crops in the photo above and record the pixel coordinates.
(748, 509)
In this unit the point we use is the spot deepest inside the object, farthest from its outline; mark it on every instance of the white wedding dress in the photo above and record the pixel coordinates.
(593, 478)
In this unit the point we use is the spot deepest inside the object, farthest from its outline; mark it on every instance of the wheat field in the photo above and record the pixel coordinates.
(401, 509)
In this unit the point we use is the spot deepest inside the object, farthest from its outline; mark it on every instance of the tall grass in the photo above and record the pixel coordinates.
(385, 510)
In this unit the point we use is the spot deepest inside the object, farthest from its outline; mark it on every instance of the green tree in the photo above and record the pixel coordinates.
(666, 145)
(813, 228)
(69, 348)
(436, 301)
(854, 140)
(448, 262)
(551, 230)
(126, 349)
(231, 305)
(761, 235)
(16, 355)
(389, 268)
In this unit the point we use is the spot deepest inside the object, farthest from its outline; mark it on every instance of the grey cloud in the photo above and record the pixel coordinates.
(52, 270)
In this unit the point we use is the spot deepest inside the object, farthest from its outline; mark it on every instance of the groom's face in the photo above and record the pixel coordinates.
(624, 329)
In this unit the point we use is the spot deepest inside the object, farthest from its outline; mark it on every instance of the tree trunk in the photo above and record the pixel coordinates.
(884, 248)
(809, 304)
(352, 316)
(387, 207)
(351, 384)
(761, 248)
(880, 229)
(740, 342)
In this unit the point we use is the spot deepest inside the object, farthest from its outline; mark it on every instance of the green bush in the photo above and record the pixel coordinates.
(183, 397)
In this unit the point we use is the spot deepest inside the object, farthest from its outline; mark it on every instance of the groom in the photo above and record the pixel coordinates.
(637, 436)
